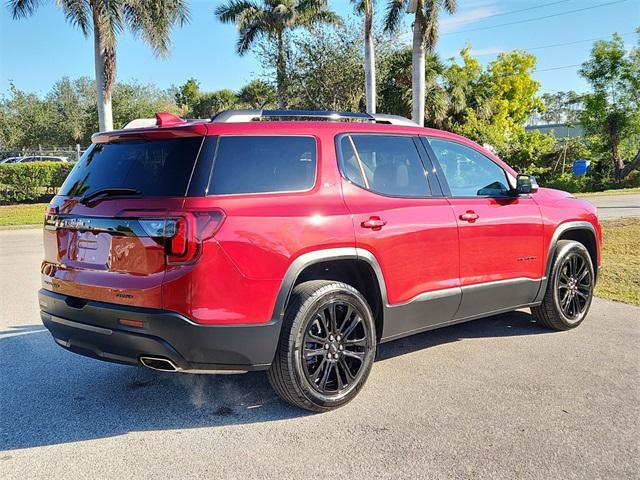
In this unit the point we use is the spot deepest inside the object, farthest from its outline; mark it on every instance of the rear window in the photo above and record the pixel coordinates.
(156, 168)
(262, 164)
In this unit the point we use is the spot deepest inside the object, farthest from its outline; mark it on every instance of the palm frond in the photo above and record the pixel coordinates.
(247, 37)
(22, 8)
(313, 12)
(360, 5)
(393, 17)
(153, 20)
(230, 12)
(450, 6)
(78, 14)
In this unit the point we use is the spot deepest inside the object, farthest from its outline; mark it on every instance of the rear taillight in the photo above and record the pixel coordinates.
(182, 234)
(178, 242)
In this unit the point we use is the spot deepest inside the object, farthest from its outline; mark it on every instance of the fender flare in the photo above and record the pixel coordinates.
(317, 256)
(553, 245)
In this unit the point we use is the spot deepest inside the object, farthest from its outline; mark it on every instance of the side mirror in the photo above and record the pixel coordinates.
(526, 184)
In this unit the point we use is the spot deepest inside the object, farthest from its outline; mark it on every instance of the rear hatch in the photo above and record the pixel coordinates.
(117, 222)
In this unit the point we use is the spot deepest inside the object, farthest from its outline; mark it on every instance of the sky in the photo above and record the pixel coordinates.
(37, 51)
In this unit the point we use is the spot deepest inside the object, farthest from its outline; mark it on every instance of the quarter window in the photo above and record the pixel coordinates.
(262, 164)
(385, 164)
(468, 172)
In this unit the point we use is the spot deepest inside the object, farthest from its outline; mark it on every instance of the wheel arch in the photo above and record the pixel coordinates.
(353, 266)
(580, 231)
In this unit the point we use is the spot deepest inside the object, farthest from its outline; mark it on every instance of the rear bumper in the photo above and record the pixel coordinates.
(92, 329)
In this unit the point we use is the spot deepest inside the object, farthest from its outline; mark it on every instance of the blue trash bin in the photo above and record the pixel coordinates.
(580, 167)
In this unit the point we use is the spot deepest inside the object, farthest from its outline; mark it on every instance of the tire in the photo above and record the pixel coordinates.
(569, 289)
(315, 382)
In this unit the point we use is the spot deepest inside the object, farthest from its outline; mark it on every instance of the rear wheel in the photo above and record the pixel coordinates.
(569, 289)
(326, 348)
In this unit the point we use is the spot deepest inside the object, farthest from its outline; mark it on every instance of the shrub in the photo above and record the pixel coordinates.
(568, 183)
(29, 182)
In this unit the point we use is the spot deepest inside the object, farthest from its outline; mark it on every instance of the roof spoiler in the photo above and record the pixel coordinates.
(163, 119)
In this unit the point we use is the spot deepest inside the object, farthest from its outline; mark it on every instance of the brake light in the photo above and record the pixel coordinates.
(183, 233)
(178, 242)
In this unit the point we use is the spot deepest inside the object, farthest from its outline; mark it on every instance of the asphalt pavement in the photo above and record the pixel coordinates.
(494, 398)
(615, 206)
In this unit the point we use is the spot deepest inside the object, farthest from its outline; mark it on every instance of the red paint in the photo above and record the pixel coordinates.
(229, 269)
(164, 119)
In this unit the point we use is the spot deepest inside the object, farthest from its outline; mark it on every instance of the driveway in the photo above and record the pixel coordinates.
(495, 398)
(616, 206)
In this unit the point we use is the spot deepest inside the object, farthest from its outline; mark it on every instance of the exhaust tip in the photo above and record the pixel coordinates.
(158, 363)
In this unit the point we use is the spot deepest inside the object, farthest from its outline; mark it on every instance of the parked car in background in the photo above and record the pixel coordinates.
(10, 160)
(257, 241)
(42, 158)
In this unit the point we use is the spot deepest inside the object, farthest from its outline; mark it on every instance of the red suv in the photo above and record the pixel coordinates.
(296, 242)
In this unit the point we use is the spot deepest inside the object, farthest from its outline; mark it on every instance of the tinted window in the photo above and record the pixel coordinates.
(262, 164)
(468, 172)
(385, 164)
(155, 168)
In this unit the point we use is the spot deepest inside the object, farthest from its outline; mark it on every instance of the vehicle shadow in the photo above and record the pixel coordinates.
(49, 396)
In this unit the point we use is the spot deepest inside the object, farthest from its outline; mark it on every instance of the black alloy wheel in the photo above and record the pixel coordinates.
(574, 286)
(335, 345)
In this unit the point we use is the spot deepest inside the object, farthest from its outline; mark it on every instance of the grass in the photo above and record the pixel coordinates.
(15, 216)
(620, 276)
(619, 191)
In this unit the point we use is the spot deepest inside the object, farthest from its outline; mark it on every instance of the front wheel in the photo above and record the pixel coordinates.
(326, 348)
(569, 288)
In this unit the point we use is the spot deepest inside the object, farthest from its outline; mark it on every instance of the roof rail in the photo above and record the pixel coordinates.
(235, 116)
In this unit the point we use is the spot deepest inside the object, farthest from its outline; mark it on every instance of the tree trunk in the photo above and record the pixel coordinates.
(105, 74)
(628, 168)
(614, 142)
(418, 90)
(281, 72)
(369, 59)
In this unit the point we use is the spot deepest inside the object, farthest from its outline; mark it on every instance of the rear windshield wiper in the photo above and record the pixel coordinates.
(108, 192)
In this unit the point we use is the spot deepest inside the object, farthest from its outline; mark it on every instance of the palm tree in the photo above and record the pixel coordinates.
(365, 7)
(150, 19)
(273, 20)
(425, 36)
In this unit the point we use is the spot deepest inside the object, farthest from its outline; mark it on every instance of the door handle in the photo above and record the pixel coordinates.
(470, 216)
(374, 223)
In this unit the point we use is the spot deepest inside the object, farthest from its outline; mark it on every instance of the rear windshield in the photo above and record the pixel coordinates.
(261, 164)
(155, 168)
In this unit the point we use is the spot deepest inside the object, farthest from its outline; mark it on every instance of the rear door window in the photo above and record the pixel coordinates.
(155, 168)
(263, 164)
(385, 164)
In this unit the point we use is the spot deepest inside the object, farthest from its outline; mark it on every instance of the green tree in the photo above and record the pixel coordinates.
(150, 19)
(326, 70)
(425, 35)
(138, 100)
(274, 20)
(71, 105)
(561, 107)
(257, 94)
(208, 104)
(188, 94)
(25, 119)
(395, 84)
(612, 110)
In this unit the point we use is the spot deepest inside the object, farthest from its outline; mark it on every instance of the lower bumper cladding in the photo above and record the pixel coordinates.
(158, 339)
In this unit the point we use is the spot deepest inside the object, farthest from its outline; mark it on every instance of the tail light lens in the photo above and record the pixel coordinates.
(183, 233)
